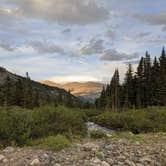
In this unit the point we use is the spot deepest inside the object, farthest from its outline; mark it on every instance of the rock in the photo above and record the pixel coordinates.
(9, 149)
(121, 158)
(2, 157)
(146, 159)
(110, 161)
(57, 164)
(109, 147)
(139, 164)
(90, 147)
(5, 160)
(45, 156)
(95, 160)
(104, 163)
(129, 163)
(35, 162)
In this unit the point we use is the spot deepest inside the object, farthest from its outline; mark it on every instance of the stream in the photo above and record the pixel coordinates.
(91, 126)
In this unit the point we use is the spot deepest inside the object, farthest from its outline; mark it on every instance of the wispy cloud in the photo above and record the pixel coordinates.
(62, 11)
(114, 55)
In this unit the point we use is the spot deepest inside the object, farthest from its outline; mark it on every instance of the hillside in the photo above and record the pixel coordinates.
(45, 91)
(87, 90)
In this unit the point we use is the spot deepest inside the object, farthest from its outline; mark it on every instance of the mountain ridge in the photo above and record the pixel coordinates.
(45, 91)
(87, 90)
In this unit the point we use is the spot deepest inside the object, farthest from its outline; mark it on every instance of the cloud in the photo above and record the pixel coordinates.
(67, 30)
(9, 16)
(45, 47)
(63, 11)
(111, 34)
(143, 35)
(113, 55)
(93, 47)
(153, 19)
(7, 46)
(164, 28)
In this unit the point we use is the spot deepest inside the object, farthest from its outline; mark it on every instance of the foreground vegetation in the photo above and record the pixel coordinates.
(136, 121)
(53, 127)
(17, 125)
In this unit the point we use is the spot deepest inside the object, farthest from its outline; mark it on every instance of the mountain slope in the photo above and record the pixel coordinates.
(44, 91)
(88, 90)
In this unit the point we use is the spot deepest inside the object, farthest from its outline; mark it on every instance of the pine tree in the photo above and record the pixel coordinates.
(8, 93)
(19, 93)
(155, 82)
(115, 85)
(102, 100)
(129, 88)
(162, 79)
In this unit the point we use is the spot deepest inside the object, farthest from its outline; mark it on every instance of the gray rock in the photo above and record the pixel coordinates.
(104, 163)
(109, 147)
(57, 164)
(95, 160)
(45, 156)
(121, 158)
(90, 147)
(146, 159)
(110, 161)
(9, 149)
(129, 163)
(35, 162)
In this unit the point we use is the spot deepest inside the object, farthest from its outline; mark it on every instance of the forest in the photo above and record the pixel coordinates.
(141, 89)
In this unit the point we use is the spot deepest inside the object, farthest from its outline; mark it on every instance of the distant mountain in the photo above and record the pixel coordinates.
(45, 91)
(86, 91)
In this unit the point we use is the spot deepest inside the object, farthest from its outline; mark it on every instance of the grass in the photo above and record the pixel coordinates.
(55, 143)
(126, 135)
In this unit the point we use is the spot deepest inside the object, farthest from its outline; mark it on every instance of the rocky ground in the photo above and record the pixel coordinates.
(144, 150)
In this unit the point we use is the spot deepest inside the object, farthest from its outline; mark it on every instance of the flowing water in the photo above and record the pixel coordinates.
(91, 126)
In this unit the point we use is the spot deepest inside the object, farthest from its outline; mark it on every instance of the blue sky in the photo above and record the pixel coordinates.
(74, 40)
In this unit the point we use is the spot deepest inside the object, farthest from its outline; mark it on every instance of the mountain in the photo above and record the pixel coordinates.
(45, 92)
(86, 91)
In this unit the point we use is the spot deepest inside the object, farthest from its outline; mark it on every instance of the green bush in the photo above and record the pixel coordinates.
(18, 125)
(148, 120)
(96, 134)
(55, 143)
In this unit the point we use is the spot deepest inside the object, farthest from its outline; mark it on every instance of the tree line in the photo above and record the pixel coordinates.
(21, 92)
(141, 89)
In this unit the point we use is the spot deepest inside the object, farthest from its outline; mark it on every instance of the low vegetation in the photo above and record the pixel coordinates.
(55, 143)
(18, 125)
(136, 121)
(96, 134)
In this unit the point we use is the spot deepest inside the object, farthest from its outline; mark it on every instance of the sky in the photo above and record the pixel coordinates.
(79, 40)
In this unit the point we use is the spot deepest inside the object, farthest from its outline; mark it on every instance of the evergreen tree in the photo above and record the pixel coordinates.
(162, 78)
(155, 82)
(129, 88)
(115, 87)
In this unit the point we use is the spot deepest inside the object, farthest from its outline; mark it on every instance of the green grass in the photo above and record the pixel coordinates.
(55, 143)
(126, 135)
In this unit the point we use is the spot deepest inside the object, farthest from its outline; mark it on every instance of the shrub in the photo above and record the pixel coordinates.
(148, 120)
(18, 125)
(55, 143)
